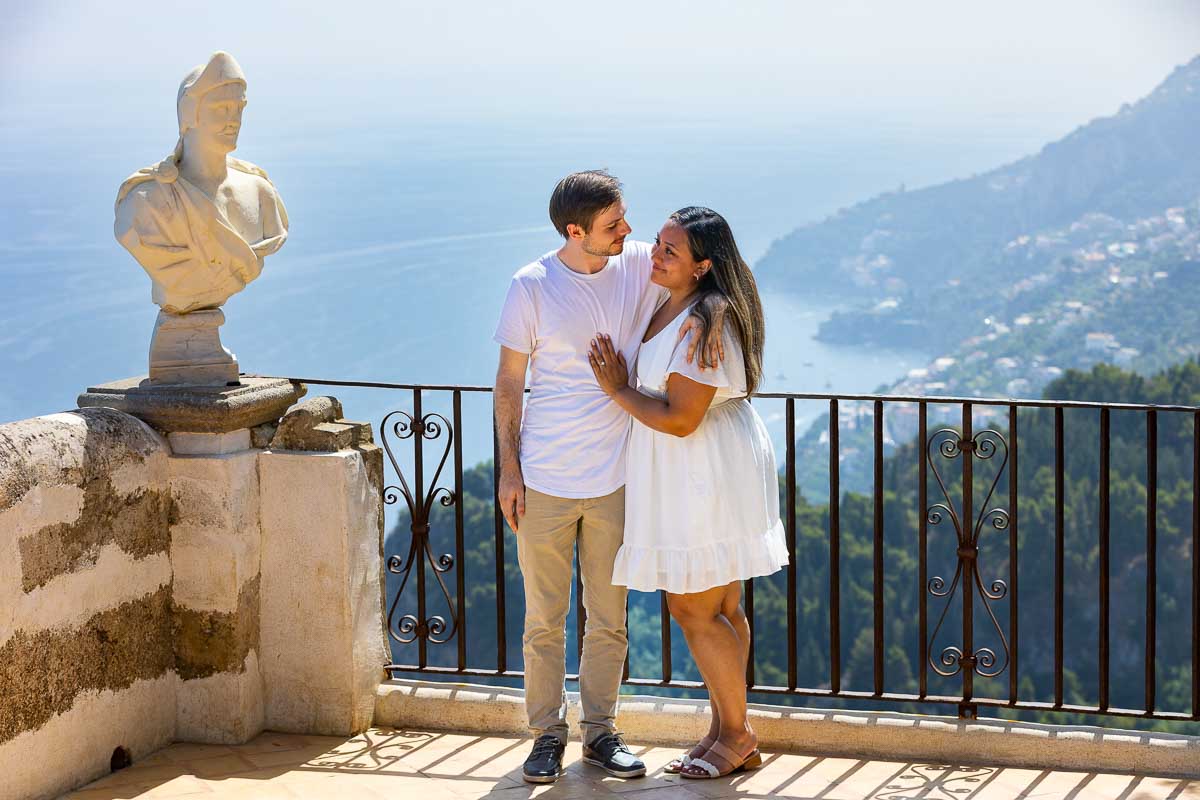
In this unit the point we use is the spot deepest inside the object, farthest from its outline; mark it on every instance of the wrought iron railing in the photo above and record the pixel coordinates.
(428, 590)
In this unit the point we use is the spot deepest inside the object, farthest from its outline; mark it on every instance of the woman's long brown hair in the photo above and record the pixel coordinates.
(710, 237)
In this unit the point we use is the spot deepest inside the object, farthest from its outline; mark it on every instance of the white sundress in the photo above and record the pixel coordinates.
(702, 510)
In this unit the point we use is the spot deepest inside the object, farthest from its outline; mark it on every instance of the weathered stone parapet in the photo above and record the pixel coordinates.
(86, 653)
(73, 449)
(149, 595)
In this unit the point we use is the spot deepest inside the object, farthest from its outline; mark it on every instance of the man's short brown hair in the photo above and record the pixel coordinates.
(580, 196)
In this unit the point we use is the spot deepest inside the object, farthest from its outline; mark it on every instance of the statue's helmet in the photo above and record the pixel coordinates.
(220, 70)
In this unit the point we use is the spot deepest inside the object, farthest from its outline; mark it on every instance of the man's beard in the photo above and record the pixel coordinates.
(612, 250)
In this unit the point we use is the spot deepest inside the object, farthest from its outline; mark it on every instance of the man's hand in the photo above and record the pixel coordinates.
(511, 496)
(717, 306)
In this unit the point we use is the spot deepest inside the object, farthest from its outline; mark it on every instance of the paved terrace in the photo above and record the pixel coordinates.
(399, 765)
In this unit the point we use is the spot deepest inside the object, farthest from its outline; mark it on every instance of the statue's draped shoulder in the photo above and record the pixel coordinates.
(194, 257)
(272, 192)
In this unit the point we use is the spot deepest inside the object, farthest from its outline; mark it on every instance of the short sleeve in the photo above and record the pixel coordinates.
(729, 377)
(515, 330)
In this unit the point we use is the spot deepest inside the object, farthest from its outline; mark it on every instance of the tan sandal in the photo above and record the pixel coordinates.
(753, 760)
(674, 766)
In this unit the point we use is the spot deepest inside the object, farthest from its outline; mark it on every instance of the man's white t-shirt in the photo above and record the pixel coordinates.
(572, 435)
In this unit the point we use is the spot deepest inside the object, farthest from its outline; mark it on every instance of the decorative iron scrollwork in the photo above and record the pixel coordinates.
(952, 660)
(409, 627)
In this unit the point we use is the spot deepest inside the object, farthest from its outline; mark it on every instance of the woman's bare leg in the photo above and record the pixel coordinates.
(731, 607)
(720, 655)
(714, 725)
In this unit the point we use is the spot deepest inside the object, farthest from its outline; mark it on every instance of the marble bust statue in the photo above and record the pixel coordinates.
(200, 222)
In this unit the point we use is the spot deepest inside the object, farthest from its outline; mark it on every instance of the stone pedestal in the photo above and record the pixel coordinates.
(186, 349)
(198, 409)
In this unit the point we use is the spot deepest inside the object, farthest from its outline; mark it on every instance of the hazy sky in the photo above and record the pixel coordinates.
(1068, 60)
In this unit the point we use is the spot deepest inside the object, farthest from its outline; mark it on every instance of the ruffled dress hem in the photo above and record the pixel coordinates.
(688, 570)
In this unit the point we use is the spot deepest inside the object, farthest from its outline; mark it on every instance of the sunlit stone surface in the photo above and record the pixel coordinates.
(398, 763)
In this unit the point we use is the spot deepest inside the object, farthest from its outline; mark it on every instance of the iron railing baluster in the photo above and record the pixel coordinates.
(835, 572)
(1013, 561)
(923, 545)
(1196, 565)
(1059, 501)
(877, 549)
(749, 606)
(498, 544)
(1151, 554)
(460, 550)
(419, 485)
(968, 566)
(790, 527)
(1103, 654)
(665, 637)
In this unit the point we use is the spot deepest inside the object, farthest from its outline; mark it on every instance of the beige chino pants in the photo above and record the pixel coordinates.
(549, 533)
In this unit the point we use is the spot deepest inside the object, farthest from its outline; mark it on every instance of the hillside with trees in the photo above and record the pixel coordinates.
(1130, 165)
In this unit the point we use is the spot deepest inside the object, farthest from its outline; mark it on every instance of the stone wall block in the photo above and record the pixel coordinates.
(216, 555)
(215, 538)
(224, 708)
(322, 639)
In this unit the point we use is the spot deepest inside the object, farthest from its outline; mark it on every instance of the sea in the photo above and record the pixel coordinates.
(403, 239)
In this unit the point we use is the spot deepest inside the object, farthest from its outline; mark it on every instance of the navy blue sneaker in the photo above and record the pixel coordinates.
(611, 754)
(544, 764)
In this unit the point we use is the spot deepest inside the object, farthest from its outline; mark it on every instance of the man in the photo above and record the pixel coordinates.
(562, 467)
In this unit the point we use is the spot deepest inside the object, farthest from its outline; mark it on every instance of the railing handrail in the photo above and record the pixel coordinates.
(826, 396)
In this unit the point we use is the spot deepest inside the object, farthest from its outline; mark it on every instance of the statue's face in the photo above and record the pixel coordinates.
(219, 117)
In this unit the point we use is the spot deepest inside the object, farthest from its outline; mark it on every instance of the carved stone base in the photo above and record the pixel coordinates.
(186, 350)
(198, 409)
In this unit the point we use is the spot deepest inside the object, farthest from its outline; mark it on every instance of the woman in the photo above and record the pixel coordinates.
(701, 496)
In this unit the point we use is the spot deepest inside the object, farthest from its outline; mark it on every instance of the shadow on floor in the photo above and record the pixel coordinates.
(387, 763)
